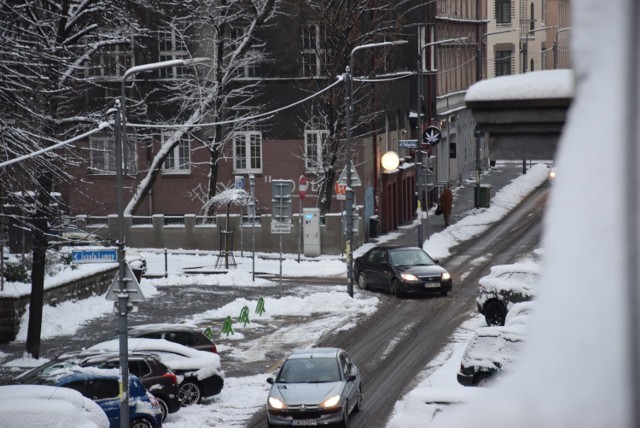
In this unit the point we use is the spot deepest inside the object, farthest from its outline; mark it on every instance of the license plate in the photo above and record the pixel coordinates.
(432, 285)
(305, 422)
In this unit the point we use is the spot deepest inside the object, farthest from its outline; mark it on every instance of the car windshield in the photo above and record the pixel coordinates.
(410, 257)
(309, 370)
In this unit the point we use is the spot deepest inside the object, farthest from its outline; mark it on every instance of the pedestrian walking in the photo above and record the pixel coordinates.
(446, 203)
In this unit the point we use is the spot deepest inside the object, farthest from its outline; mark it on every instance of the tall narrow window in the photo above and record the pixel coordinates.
(532, 18)
(312, 50)
(503, 62)
(503, 11)
(171, 47)
(314, 142)
(247, 152)
(178, 160)
(102, 155)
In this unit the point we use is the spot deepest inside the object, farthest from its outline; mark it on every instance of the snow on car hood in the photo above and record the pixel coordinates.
(306, 393)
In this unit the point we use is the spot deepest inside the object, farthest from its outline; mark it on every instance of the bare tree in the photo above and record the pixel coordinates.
(226, 31)
(340, 26)
(48, 52)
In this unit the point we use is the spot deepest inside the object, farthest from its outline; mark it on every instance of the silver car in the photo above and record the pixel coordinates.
(315, 386)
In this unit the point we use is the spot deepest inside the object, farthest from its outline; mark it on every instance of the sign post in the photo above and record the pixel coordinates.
(302, 192)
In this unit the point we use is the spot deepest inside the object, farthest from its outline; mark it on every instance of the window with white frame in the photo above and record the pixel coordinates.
(247, 152)
(102, 155)
(503, 11)
(111, 60)
(178, 160)
(171, 47)
(314, 142)
(312, 50)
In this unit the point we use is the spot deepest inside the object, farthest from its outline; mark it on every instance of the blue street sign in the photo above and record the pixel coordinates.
(409, 144)
(106, 255)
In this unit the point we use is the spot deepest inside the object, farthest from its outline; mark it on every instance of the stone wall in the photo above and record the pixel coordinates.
(12, 308)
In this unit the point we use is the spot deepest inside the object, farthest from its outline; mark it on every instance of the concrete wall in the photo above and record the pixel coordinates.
(12, 308)
(189, 233)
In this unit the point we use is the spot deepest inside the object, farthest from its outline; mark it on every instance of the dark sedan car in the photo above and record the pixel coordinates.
(316, 386)
(401, 270)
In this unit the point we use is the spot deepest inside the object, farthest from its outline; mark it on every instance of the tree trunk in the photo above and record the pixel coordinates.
(213, 171)
(40, 243)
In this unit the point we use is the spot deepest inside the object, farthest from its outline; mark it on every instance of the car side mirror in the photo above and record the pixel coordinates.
(270, 380)
(436, 261)
(351, 378)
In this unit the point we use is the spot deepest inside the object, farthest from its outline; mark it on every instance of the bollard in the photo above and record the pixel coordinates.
(260, 306)
(244, 316)
(227, 327)
(166, 263)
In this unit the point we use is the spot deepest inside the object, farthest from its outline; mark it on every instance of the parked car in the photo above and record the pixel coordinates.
(182, 334)
(44, 406)
(103, 387)
(505, 286)
(136, 261)
(199, 373)
(316, 386)
(156, 377)
(401, 270)
(491, 351)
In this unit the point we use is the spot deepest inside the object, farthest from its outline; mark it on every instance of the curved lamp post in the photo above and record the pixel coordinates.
(349, 195)
(123, 297)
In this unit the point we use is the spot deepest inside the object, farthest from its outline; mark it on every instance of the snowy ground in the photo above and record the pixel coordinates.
(332, 309)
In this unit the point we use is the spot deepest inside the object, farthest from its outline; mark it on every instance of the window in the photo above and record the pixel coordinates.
(313, 149)
(532, 21)
(171, 47)
(178, 160)
(102, 155)
(503, 11)
(503, 63)
(312, 50)
(249, 65)
(104, 389)
(247, 152)
(111, 61)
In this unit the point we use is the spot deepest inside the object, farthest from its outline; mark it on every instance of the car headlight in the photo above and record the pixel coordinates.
(446, 276)
(409, 277)
(331, 402)
(276, 404)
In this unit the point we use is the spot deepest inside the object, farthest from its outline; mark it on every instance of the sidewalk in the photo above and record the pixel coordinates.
(463, 201)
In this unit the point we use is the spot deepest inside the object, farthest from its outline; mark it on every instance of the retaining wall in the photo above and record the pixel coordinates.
(12, 308)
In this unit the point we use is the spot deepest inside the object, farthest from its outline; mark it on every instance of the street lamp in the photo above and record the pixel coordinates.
(555, 46)
(419, 124)
(123, 297)
(349, 190)
(477, 132)
(525, 49)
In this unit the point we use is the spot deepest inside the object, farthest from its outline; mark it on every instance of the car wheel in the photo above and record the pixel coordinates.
(189, 393)
(362, 281)
(395, 287)
(164, 408)
(494, 313)
(140, 423)
(444, 293)
(360, 399)
(345, 416)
